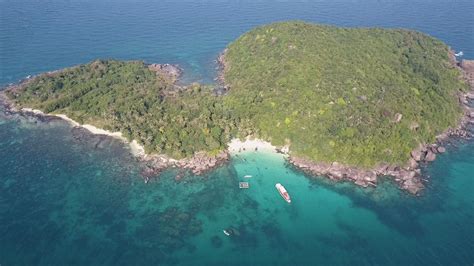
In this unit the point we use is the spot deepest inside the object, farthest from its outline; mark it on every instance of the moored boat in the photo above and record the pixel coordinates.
(283, 192)
(243, 184)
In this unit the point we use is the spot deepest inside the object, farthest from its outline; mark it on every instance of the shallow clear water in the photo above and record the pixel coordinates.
(69, 198)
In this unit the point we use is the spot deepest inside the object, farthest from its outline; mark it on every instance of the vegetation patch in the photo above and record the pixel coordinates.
(357, 96)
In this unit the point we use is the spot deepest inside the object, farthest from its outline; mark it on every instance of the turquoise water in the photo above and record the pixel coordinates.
(72, 199)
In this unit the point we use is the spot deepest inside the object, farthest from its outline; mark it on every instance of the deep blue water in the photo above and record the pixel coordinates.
(38, 36)
(70, 199)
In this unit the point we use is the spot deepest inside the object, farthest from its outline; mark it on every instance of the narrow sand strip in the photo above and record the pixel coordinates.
(235, 145)
(135, 147)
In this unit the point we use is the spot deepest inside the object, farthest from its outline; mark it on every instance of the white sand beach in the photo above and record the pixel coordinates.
(236, 145)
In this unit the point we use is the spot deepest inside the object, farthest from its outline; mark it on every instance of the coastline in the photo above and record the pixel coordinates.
(135, 148)
(408, 177)
(154, 164)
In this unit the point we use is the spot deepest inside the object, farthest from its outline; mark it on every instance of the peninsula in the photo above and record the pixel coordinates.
(351, 104)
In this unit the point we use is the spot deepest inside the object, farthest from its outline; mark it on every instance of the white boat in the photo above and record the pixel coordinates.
(284, 194)
(226, 232)
(459, 54)
(247, 176)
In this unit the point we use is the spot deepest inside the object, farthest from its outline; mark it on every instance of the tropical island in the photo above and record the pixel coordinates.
(348, 103)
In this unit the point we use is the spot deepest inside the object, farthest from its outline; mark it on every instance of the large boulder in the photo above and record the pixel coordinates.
(412, 164)
(417, 154)
(397, 118)
(430, 156)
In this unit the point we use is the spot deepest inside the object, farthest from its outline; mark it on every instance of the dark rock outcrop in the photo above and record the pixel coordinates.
(171, 72)
(408, 179)
(222, 66)
(201, 162)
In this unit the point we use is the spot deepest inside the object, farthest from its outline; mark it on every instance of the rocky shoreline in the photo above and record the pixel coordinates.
(222, 66)
(168, 71)
(153, 164)
(199, 164)
(408, 177)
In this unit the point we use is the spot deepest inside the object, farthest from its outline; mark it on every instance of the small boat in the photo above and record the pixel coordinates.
(283, 192)
(459, 54)
(227, 233)
(247, 176)
(243, 184)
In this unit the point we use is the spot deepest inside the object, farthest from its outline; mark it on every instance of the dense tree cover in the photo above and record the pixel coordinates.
(128, 97)
(335, 94)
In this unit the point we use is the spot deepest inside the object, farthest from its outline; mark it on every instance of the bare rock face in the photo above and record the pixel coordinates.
(407, 178)
(222, 66)
(412, 163)
(397, 118)
(468, 68)
(201, 162)
(441, 149)
(417, 154)
(430, 156)
(172, 72)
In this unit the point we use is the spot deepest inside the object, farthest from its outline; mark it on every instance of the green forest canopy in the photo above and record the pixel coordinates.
(333, 94)
(130, 98)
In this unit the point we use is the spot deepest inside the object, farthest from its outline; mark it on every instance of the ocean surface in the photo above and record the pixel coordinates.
(70, 198)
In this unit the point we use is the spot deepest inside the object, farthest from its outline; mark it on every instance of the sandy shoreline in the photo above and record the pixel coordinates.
(135, 147)
(233, 147)
(236, 145)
